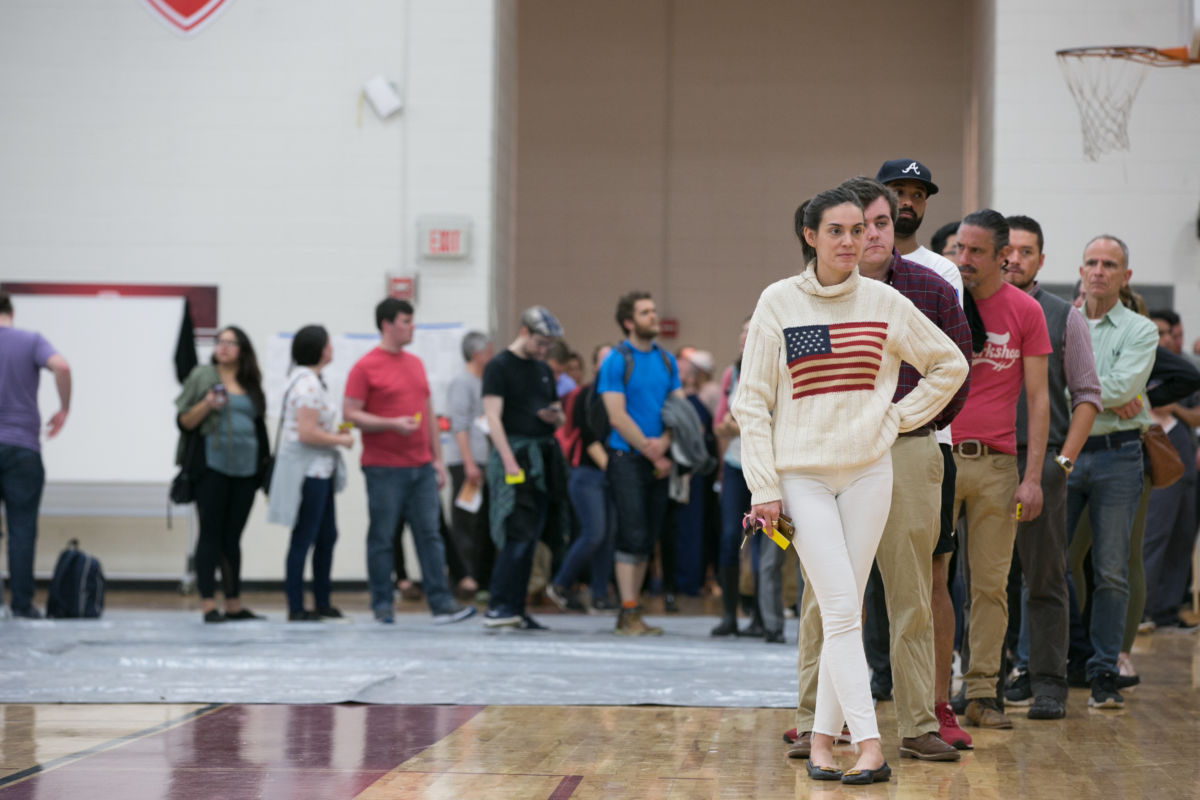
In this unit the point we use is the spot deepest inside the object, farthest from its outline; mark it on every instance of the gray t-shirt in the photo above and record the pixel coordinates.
(464, 405)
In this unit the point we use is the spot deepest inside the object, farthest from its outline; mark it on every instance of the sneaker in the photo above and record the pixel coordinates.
(26, 613)
(242, 614)
(774, 637)
(790, 735)
(984, 712)
(384, 616)
(331, 613)
(602, 606)
(494, 618)
(1127, 681)
(1104, 692)
(565, 600)
(528, 623)
(303, 616)
(959, 701)
(1146, 626)
(209, 616)
(1019, 691)
(948, 729)
(457, 615)
(928, 747)
(881, 686)
(1047, 707)
(670, 603)
(630, 623)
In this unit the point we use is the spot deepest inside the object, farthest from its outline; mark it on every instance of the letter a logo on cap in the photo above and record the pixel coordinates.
(914, 168)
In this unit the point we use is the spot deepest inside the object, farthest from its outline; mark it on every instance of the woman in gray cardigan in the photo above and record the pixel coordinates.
(308, 471)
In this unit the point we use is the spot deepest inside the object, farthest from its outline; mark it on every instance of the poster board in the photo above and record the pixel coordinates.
(121, 425)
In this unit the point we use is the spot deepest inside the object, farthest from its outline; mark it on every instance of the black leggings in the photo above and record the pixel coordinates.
(223, 503)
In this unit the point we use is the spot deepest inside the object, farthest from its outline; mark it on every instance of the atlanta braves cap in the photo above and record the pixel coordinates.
(906, 169)
(538, 320)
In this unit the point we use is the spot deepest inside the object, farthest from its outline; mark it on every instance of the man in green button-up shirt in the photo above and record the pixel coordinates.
(1107, 478)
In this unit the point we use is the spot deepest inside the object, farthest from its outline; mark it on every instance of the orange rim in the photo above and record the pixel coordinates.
(1151, 56)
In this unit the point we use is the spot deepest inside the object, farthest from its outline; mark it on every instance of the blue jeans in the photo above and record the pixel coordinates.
(592, 501)
(1108, 483)
(735, 503)
(411, 491)
(21, 480)
(316, 528)
(641, 501)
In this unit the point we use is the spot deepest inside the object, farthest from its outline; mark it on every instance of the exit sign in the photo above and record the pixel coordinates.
(444, 237)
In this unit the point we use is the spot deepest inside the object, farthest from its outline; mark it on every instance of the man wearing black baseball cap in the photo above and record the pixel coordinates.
(913, 183)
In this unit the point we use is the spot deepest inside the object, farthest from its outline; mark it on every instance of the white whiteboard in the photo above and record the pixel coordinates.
(121, 426)
(438, 345)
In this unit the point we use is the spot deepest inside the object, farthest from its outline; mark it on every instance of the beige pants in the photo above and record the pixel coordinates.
(905, 559)
(985, 487)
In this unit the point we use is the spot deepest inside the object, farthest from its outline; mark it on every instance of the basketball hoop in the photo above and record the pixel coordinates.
(1104, 82)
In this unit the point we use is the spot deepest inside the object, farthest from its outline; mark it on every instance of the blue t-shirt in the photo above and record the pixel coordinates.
(646, 391)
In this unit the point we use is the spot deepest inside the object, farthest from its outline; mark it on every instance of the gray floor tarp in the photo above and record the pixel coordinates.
(172, 657)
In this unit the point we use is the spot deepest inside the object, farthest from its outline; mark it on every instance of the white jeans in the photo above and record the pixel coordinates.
(839, 516)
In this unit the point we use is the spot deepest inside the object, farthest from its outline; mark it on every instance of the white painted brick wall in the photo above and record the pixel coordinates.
(1149, 196)
(129, 154)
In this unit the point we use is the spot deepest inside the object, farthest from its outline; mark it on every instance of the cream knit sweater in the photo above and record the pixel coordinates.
(819, 372)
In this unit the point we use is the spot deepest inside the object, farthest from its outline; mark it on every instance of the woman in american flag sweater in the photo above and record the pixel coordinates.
(817, 421)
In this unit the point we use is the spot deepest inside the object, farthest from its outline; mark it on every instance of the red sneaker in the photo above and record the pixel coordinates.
(790, 735)
(948, 728)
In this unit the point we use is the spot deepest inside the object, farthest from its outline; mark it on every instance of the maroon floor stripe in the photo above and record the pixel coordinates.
(247, 752)
(566, 787)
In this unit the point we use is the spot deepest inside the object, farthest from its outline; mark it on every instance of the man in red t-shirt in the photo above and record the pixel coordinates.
(985, 448)
(387, 398)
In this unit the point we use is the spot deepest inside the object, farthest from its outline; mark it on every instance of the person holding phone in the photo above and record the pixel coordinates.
(526, 472)
(222, 405)
(308, 472)
(817, 421)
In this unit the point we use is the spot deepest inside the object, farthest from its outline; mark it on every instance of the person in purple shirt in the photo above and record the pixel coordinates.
(22, 355)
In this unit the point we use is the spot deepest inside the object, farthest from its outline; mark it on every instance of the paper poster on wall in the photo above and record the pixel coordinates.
(437, 344)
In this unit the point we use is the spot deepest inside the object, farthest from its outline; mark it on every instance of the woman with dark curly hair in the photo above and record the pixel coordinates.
(224, 448)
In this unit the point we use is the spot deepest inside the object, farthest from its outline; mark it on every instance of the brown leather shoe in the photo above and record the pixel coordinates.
(802, 747)
(630, 623)
(928, 747)
(984, 712)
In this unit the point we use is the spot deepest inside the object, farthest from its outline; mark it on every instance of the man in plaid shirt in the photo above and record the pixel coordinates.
(905, 555)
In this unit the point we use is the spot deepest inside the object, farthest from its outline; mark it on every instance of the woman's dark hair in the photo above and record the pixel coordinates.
(938, 243)
(308, 344)
(810, 212)
(5, 304)
(248, 374)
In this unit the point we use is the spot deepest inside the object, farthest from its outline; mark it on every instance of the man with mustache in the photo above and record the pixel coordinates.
(994, 494)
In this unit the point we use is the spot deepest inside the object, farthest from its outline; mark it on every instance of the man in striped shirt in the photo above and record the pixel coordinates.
(905, 554)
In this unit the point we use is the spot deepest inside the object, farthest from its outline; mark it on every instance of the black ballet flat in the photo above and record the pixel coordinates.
(865, 776)
(823, 773)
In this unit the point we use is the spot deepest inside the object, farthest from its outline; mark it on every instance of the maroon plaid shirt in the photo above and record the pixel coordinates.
(937, 300)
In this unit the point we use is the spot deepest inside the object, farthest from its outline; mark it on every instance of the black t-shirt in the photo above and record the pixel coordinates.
(525, 386)
(579, 419)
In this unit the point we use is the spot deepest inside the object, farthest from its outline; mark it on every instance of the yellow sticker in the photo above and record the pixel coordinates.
(417, 416)
(778, 538)
(518, 478)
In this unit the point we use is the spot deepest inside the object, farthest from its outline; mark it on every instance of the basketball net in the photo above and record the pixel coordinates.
(1104, 82)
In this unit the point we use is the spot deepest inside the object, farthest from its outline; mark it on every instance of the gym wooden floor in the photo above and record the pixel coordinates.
(1148, 749)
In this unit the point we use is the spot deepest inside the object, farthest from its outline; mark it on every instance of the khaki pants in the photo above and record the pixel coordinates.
(905, 559)
(985, 487)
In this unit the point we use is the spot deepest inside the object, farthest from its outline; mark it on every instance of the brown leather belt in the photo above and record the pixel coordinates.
(973, 448)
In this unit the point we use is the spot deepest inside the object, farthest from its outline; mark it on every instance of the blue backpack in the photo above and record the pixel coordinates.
(77, 587)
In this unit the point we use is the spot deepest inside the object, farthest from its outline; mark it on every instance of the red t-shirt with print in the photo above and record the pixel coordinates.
(1016, 327)
(392, 385)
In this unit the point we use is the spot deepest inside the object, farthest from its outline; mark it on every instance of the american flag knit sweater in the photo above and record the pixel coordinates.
(819, 372)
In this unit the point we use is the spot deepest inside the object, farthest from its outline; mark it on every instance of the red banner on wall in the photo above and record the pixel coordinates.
(186, 17)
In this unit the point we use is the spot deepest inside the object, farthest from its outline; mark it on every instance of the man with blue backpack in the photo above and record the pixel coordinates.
(634, 383)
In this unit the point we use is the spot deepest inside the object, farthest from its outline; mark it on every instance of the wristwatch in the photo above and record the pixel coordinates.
(1066, 463)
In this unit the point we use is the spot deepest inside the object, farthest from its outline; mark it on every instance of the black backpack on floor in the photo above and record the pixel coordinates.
(77, 588)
